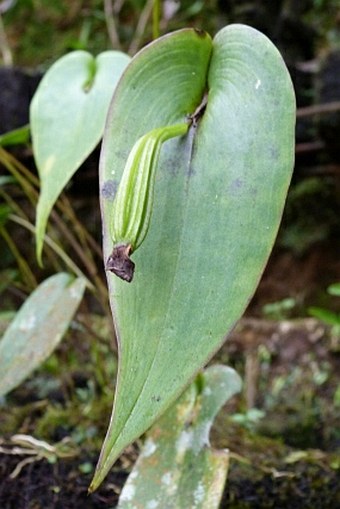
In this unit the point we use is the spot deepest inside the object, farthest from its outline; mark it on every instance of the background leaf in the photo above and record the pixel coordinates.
(219, 197)
(334, 289)
(67, 118)
(15, 137)
(37, 328)
(176, 467)
(325, 315)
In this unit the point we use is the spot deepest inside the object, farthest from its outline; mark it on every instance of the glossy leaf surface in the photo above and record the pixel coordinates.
(219, 196)
(37, 328)
(176, 467)
(67, 118)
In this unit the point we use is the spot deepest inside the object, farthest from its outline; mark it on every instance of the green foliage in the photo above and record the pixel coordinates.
(325, 315)
(310, 215)
(184, 259)
(67, 117)
(37, 328)
(176, 458)
(56, 115)
(249, 419)
(46, 29)
(6, 277)
(15, 137)
(219, 196)
(336, 398)
(133, 203)
(334, 289)
(279, 310)
(329, 317)
(4, 213)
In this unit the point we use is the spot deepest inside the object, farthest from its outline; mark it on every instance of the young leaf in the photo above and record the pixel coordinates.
(218, 201)
(67, 118)
(37, 328)
(325, 315)
(334, 289)
(176, 467)
(15, 137)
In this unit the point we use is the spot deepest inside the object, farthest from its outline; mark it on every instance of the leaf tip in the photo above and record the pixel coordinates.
(97, 479)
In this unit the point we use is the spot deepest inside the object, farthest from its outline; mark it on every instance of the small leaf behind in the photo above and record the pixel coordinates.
(176, 467)
(37, 328)
(67, 118)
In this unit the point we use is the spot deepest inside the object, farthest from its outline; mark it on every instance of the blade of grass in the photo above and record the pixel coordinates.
(82, 242)
(111, 24)
(156, 11)
(140, 29)
(56, 248)
(24, 268)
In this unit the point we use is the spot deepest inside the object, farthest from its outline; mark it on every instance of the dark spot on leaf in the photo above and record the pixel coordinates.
(236, 184)
(191, 170)
(156, 398)
(109, 189)
(254, 192)
(274, 153)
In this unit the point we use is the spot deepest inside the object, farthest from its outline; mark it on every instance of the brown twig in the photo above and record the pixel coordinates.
(111, 24)
(318, 109)
(309, 146)
(140, 29)
(4, 46)
(117, 6)
(321, 170)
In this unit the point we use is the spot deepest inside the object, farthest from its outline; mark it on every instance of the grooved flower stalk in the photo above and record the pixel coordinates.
(132, 206)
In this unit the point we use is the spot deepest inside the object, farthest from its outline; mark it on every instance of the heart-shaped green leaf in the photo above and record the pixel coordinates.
(67, 118)
(37, 328)
(219, 195)
(176, 467)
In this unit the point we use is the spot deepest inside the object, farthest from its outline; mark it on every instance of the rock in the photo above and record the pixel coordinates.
(17, 88)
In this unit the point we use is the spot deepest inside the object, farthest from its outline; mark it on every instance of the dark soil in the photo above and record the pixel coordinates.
(310, 487)
(41, 485)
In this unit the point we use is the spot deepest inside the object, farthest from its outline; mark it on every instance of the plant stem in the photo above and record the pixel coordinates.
(57, 249)
(110, 24)
(20, 173)
(155, 18)
(29, 182)
(4, 46)
(117, 6)
(318, 109)
(140, 29)
(24, 268)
